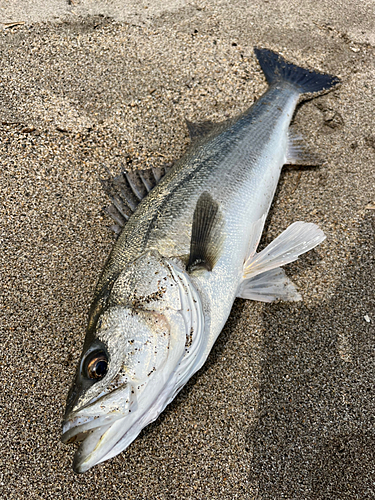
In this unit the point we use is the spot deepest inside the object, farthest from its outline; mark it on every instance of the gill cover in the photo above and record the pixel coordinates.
(152, 332)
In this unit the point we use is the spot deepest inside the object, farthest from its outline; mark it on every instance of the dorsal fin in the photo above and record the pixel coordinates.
(127, 189)
(206, 235)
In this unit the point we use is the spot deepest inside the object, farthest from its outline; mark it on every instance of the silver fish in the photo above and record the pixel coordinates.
(187, 250)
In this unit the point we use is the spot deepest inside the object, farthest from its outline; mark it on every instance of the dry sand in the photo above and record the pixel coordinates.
(284, 407)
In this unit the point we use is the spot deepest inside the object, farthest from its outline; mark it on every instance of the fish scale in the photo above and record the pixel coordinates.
(230, 162)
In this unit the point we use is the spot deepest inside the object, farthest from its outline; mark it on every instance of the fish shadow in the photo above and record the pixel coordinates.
(314, 432)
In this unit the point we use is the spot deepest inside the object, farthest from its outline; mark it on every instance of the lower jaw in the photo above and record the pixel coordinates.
(92, 449)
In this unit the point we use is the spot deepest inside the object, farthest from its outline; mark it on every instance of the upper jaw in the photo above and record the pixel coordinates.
(77, 426)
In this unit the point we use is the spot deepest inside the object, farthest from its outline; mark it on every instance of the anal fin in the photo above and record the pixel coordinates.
(269, 286)
(298, 153)
(207, 235)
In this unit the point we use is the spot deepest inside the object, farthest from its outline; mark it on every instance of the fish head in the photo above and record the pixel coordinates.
(127, 371)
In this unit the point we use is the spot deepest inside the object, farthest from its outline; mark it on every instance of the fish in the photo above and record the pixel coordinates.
(186, 249)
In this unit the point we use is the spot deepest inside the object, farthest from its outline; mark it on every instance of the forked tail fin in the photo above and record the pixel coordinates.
(276, 68)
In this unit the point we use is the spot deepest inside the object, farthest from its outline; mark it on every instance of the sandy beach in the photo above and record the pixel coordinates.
(284, 407)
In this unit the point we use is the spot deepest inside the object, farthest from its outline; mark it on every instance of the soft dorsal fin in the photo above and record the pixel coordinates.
(127, 189)
(199, 130)
(207, 235)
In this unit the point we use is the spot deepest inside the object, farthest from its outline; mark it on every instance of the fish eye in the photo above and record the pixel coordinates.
(96, 365)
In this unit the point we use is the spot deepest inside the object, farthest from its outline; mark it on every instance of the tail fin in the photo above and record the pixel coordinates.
(276, 68)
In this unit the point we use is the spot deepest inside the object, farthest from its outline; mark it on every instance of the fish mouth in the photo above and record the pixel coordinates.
(96, 435)
(76, 428)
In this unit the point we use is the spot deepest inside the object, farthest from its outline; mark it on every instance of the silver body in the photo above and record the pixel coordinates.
(157, 321)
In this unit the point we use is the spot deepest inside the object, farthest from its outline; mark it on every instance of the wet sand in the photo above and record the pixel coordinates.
(284, 407)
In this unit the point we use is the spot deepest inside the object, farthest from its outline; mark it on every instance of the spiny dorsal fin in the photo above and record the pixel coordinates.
(298, 153)
(127, 189)
(207, 235)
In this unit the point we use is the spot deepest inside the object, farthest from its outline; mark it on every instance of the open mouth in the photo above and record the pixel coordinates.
(96, 435)
(102, 438)
(77, 428)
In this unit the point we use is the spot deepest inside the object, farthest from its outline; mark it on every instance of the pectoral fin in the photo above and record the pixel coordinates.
(206, 235)
(263, 280)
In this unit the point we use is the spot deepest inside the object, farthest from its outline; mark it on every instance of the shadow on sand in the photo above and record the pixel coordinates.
(314, 437)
